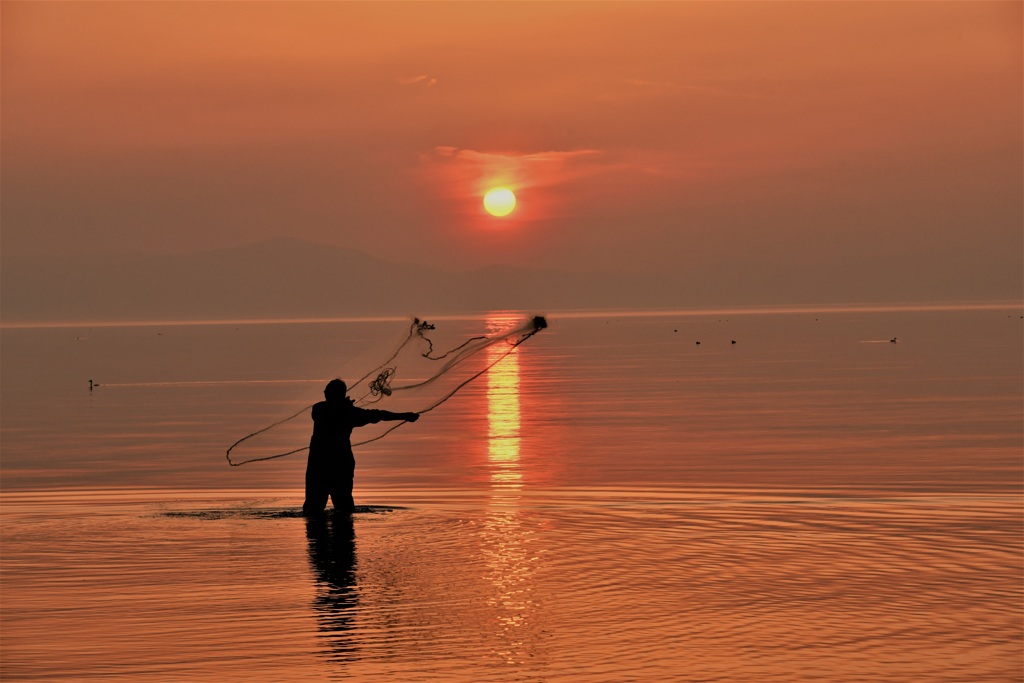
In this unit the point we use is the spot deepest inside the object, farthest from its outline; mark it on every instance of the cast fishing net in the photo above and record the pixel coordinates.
(417, 377)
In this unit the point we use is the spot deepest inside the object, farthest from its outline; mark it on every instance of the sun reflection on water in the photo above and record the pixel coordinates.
(503, 420)
(508, 545)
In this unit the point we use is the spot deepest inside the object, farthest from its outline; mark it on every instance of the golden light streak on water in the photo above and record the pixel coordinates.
(508, 552)
(503, 419)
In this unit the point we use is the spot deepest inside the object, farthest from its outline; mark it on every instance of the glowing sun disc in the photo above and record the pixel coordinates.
(499, 202)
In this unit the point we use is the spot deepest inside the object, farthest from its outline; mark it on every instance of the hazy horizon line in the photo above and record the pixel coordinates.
(766, 309)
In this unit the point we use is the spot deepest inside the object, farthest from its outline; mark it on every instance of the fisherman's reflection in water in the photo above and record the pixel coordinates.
(332, 557)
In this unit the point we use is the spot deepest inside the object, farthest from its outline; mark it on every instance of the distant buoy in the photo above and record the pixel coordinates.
(698, 343)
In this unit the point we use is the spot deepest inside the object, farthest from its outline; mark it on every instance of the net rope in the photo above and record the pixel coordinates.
(384, 388)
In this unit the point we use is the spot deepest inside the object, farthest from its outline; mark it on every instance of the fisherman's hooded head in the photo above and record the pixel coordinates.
(335, 390)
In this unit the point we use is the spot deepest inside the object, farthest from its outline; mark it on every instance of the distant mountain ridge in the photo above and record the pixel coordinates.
(282, 278)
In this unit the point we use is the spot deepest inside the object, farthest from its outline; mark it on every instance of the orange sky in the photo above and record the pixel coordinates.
(638, 136)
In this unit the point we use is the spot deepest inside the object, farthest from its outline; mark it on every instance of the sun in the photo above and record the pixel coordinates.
(499, 201)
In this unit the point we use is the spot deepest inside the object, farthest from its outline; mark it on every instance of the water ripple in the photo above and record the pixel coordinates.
(605, 586)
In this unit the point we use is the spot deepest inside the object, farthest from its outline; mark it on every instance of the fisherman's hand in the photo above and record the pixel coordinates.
(412, 417)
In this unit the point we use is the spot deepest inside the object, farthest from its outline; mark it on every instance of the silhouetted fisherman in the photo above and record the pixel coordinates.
(331, 465)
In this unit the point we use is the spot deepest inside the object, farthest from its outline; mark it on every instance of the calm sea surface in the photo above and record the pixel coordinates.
(613, 502)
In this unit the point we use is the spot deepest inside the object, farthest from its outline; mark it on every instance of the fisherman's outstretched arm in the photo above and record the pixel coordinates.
(408, 417)
(372, 416)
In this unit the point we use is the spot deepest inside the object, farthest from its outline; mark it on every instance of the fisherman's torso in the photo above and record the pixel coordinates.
(333, 422)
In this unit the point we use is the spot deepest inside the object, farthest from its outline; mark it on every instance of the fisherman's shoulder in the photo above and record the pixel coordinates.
(323, 409)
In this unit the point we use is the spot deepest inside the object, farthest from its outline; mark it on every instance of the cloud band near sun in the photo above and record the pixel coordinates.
(465, 175)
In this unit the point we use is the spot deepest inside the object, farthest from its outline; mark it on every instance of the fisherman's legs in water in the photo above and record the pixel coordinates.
(316, 499)
(341, 492)
(323, 482)
(317, 487)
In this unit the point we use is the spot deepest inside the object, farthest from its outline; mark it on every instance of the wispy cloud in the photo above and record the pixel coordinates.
(647, 89)
(519, 170)
(549, 180)
(423, 80)
(548, 156)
